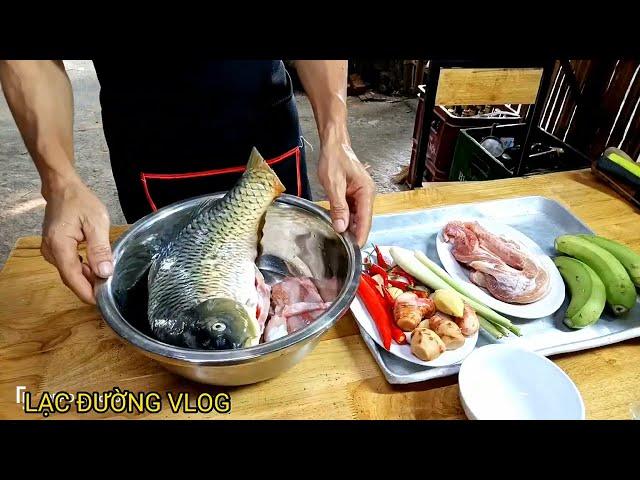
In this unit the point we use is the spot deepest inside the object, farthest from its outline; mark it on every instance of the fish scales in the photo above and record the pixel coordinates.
(202, 288)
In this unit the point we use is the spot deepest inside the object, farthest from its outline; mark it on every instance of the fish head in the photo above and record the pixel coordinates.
(222, 324)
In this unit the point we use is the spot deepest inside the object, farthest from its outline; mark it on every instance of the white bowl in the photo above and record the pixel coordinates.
(504, 382)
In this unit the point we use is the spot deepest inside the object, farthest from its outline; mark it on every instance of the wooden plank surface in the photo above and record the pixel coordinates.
(488, 86)
(50, 342)
(626, 190)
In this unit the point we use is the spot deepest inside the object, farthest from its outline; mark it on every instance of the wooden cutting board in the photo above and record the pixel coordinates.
(51, 342)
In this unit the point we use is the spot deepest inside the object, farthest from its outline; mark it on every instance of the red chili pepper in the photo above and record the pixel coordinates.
(377, 309)
(401, 273)
(375, 285)
(398, 284)
(381, 261)
(398, 335)
(381, 289)
(378, 270)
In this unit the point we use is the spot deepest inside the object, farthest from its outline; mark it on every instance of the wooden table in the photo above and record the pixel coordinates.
(51, 342)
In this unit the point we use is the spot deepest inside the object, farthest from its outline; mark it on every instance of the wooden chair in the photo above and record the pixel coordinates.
(452, 82)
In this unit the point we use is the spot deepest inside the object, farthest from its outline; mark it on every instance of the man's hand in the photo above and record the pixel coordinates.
(40, 97)
(347, 183)
(349, 187)
(74, 214)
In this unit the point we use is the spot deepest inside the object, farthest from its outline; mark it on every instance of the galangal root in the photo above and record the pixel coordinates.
(433, 331)
(468, 323)
(426, 345)
(409, 310)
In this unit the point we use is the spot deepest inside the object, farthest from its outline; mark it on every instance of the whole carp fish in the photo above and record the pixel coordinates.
(205, 290)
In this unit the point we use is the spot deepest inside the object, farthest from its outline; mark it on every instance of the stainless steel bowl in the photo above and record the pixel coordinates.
(296, 231)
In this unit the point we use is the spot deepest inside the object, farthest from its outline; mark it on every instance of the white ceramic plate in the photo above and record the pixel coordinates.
(505, 382)
(449, 357)
(547, 305)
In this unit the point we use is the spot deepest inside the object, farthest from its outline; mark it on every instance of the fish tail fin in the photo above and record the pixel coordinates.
(256, 162)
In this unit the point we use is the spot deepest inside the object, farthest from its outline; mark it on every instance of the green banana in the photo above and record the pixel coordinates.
(621, 293)
(588, 295)
(629, 259)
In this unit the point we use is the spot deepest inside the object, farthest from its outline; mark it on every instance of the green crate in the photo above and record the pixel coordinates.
(472, 162)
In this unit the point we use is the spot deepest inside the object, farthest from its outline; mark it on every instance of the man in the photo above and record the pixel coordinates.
(176, 130)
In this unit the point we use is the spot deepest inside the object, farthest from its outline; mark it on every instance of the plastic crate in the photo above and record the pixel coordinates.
(443, 135)
(473, 162)
(434, 174)
(444, 131)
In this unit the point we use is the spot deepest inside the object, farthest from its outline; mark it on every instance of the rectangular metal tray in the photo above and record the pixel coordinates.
(542, 220)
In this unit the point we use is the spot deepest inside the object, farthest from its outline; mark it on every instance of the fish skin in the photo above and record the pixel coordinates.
(213, 257)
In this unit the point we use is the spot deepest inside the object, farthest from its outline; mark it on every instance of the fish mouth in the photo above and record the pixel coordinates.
(220, 324)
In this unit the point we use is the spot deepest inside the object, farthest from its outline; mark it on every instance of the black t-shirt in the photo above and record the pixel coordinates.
(190, 105)
(177, 116)
(186, 87)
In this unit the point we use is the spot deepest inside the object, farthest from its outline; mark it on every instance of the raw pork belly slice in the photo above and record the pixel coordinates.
(498, 264)
(295, 303)
(466, 245)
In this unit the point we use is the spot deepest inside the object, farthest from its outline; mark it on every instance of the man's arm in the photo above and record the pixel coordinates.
(348, 185)
(41, 100)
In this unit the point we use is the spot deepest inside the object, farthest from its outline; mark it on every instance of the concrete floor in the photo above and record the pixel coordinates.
(380, 132)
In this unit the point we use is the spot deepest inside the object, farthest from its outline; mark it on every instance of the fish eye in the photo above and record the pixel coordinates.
(219, 327)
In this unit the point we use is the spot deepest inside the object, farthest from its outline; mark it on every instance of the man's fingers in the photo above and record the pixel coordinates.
(88, 274)
(96, 232)
(362, 199)
(338, 205)
(65, 253)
